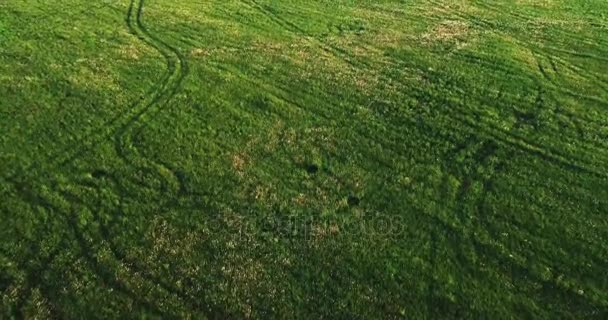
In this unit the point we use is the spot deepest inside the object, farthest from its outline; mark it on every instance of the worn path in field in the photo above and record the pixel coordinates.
(124, 274)
(145, 170)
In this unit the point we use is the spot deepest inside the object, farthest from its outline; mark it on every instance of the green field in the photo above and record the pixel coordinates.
(304, 159)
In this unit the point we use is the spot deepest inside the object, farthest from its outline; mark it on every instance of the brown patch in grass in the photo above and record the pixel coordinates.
(300, 199)
(261, 193)
(199, 52)
(322, 231)
(129, 52)
(239, 161)
(536, 3)
(446, 31)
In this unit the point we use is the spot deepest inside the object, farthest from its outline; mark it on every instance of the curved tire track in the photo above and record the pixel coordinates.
(177, 70)
(123, 128)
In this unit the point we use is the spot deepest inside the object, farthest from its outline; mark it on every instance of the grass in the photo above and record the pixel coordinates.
(303, 159)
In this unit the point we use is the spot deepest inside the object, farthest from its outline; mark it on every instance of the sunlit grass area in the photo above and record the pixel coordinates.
(303, 159)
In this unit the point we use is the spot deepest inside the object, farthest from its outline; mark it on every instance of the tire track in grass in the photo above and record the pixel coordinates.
(282, 93)
(34, 280)
(577, 71)
(177, 71)
(329, 48)
(519, 73)
(577, 54)
(511, 268)
(555, 61)
(585, 74)
(125, 135)
(124, 127)
(474, 20)
(529, 19)
(526, 144)
(170, 182)
(9, 279)
(591, 146)
(462, 194)
(34, 197)
(104, 235)
(546, 153)
(476, 158)
(525, 42)
(484, 160)
(295, 29)
(272, 16)
(95, 137)
(326, 46)
(519, 142)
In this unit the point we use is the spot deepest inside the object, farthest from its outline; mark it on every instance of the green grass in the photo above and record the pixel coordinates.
(304, 159)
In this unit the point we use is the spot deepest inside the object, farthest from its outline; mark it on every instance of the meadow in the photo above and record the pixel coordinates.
(288, 159)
